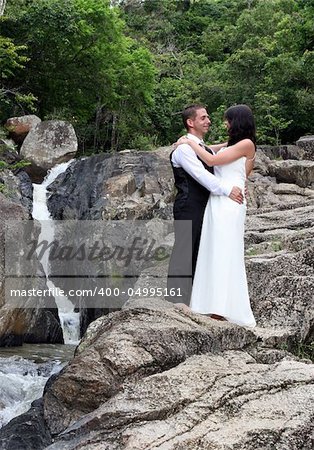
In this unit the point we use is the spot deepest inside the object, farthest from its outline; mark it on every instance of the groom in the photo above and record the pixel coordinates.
(194, 181)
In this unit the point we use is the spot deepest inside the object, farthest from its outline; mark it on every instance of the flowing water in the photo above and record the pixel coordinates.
(68, 318)
(25, 370)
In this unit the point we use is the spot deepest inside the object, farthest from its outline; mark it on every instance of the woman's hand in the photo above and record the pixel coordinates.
(182, 140)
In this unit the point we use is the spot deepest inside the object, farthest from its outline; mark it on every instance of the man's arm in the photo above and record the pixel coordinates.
(186, 158)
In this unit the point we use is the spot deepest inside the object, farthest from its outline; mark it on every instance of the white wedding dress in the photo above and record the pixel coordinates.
(220, 284)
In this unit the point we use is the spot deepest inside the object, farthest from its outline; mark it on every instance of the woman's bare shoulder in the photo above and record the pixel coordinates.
(247, 146)
(247, 142)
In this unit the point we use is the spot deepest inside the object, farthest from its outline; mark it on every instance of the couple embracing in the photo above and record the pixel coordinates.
(210, 184)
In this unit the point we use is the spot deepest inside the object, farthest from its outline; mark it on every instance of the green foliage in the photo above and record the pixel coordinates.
(122, 70)
(221, 52)
(79, 63)
(218, 132)
(3, 189)
(15, 166)
(273, 122)
(304, 350)
(12, 59)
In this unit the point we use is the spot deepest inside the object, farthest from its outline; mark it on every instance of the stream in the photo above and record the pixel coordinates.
(25, 370)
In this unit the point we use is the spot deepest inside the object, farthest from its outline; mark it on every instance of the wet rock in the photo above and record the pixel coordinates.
(27, 431)
(26, 189)
(25, 323)
(44, 327)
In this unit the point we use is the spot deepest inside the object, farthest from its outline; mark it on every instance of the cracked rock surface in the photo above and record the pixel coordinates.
(152, 376)
(124, 347)
(214, 399)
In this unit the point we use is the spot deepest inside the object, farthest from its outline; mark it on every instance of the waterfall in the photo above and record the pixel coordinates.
(68, 318)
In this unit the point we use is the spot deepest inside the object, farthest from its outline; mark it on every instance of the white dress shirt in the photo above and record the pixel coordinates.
(185, 157)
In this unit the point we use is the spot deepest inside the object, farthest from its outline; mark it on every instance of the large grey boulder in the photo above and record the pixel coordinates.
(290, 171)
(306, 143)
(49, 143)
(283, 151)
(27, 431)
(147, 337)
(126, 185)
(291, 152)
(209, 401)
(153, 376)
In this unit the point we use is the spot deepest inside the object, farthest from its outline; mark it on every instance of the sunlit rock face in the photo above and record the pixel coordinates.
(306, 143)
(19, 127)
(48, 143)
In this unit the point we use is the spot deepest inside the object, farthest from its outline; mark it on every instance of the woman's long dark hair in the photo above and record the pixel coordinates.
(242, 124)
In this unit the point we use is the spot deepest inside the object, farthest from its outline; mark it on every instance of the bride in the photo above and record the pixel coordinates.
(220, 284)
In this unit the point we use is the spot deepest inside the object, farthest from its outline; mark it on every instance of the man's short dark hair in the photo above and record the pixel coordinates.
(190, 112)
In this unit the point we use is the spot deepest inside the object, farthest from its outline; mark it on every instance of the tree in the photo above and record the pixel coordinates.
(271, 121)
(124, 84)
(77, 59)
(12, 59)
(2, 6)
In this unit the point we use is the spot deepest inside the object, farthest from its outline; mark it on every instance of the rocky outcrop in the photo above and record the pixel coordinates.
(26, 190)
(17, 189)
(26, 323)
(279, 241)
(154, 376)
(280, 272)
(19, 127)
(208, 401)
(8, 153)
(300, 173)
(48, 143)
(306, 143)
(14, 183)
(294, 152)
(279, 230)
(126, 185)
(145, 338)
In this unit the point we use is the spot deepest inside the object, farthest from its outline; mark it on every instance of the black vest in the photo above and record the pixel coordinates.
(189, 192)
